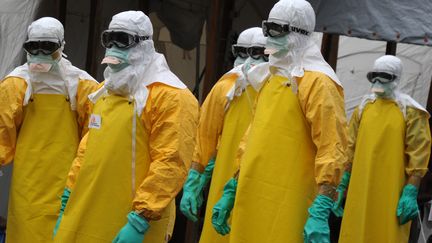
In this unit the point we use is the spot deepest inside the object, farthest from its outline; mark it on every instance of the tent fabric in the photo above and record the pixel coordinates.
(184, 20)
(15, 17)
(406, 21)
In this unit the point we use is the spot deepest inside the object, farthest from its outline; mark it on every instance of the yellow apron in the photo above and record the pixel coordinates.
(103, 193)
(46, 145)
(237, 120)
(276, 182)
(378, 177)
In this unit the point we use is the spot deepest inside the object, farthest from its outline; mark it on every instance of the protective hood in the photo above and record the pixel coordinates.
(246, 36)
(46, 29)
(402, 100)
(250, 74)
(245, 40)
(391, 65)
(146, 65)
(314, 61)
(68, 75)
(258, 40)
(255, 76)
(300, 14)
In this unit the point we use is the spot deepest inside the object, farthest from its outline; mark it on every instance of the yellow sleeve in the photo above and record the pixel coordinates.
(76, 164)
(322, 103)
(352, 135)
(211, 120)
(12, 90)
(85, 87)
(173, 117)
(417, 142)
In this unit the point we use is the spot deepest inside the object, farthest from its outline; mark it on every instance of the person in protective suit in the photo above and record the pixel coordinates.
(388, 154)
(225, 115)
(44, 111)
(295, 147)
(134, 159)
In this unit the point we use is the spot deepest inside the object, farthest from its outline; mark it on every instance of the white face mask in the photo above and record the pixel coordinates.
(41, 63)
(384, 90)
(40, 67)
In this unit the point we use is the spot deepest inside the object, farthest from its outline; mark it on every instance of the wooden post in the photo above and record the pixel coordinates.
(329, 48)
(62, 11)
(93, 37)
(391, 48)
(219, 26)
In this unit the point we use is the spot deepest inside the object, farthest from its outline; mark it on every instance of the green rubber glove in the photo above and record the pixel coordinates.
(192, 198)
(343, 185)
(222, 209)
(207, 174)
(133, 231)
(316, 229)
(407, 207)
(64, 200)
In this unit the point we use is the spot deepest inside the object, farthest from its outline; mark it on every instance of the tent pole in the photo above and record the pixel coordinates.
(329, 48)
(91, 63)
(391, 48)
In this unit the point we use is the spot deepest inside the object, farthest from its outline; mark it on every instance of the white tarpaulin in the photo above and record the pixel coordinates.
(15, 17)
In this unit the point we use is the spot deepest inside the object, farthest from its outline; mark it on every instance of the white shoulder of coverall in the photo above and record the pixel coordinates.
(392, 65)
(146, 65)
(303, 54)
(63, 80)
(252, 72)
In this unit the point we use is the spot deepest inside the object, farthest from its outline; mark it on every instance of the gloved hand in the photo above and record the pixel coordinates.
(64, 200)
(316, 229)
(192, 197)
(207, 174)
(133, 231)
(407, 207)
(222, 209)
(337, 208)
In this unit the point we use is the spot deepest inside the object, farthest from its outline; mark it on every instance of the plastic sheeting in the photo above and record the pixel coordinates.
(407, 21)
(185, 21)
(15, 17)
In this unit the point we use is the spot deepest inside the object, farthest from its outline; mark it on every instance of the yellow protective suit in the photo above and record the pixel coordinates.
(211, 119)
(384, 149)
(41, 138)
(102, 176)
(295, 143)
(227, 127)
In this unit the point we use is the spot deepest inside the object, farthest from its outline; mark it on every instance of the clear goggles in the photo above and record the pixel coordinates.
(239, 51)
(257, 52)
(44, 47)
(381, 77)
(120, 39)
(273, 29)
